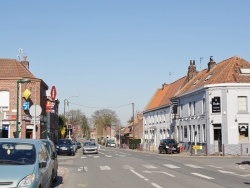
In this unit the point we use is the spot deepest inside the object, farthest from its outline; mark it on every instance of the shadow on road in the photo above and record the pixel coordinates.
(58, 182)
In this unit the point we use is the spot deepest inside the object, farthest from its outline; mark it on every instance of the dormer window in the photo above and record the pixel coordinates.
(245, 71)
(209, 76)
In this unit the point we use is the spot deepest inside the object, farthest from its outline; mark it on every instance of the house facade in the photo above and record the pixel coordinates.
(208, 109)
(19, 91)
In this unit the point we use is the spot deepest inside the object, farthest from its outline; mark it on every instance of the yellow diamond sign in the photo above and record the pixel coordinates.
(26, 94)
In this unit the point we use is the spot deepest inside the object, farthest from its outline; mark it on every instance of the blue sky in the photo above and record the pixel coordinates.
(111, 53)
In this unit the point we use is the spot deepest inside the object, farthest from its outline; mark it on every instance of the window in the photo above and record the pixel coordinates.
(185, 131)
(194, 108)
(181, 110)
(242, 104)
(189, 108)
(203, 106)
(4, 100)
(243, 132)
(204, 133)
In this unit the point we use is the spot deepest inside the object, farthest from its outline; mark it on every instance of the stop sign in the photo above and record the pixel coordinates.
(53, 93)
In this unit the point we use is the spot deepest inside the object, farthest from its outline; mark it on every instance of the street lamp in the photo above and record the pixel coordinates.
(20, 81)
(65, 103)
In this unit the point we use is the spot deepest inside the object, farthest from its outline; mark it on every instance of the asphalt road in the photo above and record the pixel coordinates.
(119, 168)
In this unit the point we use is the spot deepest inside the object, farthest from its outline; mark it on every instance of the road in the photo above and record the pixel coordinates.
(119, 168)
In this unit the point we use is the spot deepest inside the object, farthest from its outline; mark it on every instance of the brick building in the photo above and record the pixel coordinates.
(19, 90)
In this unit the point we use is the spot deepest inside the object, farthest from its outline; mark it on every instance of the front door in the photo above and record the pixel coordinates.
(217, 138)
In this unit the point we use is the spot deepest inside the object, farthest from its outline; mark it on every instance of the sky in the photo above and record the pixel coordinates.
(112, 53)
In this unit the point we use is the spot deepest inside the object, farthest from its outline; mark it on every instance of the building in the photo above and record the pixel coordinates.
(19, 91)
(209, 108)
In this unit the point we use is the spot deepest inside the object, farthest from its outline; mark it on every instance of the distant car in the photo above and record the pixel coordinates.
(78, 145)
(89, 148)
(110, 143)
(169, 146)
(53, 155)
(24, 163)
(66, 146)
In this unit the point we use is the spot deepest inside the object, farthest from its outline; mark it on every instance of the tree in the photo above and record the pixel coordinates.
(79, 121)
(102, 119)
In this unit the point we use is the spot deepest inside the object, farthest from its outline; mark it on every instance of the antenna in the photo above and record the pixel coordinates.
(201, 58)
(20, 52)
(169, 74)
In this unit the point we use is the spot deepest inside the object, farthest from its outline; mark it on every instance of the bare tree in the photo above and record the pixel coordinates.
(102, 119)
(79, 121)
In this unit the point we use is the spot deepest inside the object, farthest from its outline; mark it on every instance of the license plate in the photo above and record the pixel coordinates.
(64, 148)
(173, 148)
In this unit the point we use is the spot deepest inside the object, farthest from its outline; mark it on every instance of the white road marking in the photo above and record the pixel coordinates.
(170, 166)
(192, 166)
(215, 166)
(146, 171)
(141, 176)
(96, 156)
(105, 168)
(85, 169)
(155, 185)
(127, 167)
(203, 176)
(80, 169)
(149, 166)
(83, 157)
(108, 155)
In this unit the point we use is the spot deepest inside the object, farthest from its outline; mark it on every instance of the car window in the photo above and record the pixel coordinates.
(16, 152)
(43, 154)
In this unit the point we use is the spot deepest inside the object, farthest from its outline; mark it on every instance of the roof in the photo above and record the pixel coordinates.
(11, 68)
(227, 71)
(163, 95)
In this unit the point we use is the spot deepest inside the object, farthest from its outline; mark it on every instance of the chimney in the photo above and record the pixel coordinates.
(211, 64)
(24, 62)
(192, 72)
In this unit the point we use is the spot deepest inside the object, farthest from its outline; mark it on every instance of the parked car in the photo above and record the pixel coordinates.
(89, 148)
(53, 155)
(79, 145)
(65, 146)
(110, 143)
(169, 146)
(24, 163)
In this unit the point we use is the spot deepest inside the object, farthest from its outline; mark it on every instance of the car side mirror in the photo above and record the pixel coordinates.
(42, 164)
(54, 155)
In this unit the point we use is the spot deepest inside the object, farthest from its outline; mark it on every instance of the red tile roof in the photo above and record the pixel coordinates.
(227, 71)
(11, 68)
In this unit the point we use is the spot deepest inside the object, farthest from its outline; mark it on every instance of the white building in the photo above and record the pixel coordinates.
(208, 108)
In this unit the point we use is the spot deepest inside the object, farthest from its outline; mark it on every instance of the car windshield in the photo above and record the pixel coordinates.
(64, 142)
(89, 144)
(169, 141)
(17, 154)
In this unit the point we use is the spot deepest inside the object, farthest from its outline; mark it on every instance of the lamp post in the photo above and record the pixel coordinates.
(20, 81)
(66, 100)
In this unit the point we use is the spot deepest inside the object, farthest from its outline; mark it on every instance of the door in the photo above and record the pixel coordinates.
(217, 138)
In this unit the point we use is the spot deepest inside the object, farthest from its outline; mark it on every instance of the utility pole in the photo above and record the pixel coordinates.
(133, 120)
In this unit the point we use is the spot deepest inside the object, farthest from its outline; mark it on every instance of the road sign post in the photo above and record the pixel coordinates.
(35, 111)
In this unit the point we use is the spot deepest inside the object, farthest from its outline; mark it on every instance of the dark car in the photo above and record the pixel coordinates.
(53, 155)
(65, 146)
(169, 146)
(78, 145)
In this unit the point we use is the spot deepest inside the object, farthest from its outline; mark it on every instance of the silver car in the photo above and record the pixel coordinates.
(89, 148)
(24, 163)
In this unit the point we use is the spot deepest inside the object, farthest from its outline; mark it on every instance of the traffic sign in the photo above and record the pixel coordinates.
(26, 106)
(35, 110)
(53, 93)
(197, 147)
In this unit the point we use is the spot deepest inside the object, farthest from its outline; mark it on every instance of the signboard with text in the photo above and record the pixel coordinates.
(216, 105)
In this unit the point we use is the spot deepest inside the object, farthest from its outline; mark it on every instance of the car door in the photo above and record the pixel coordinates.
(44, 171)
